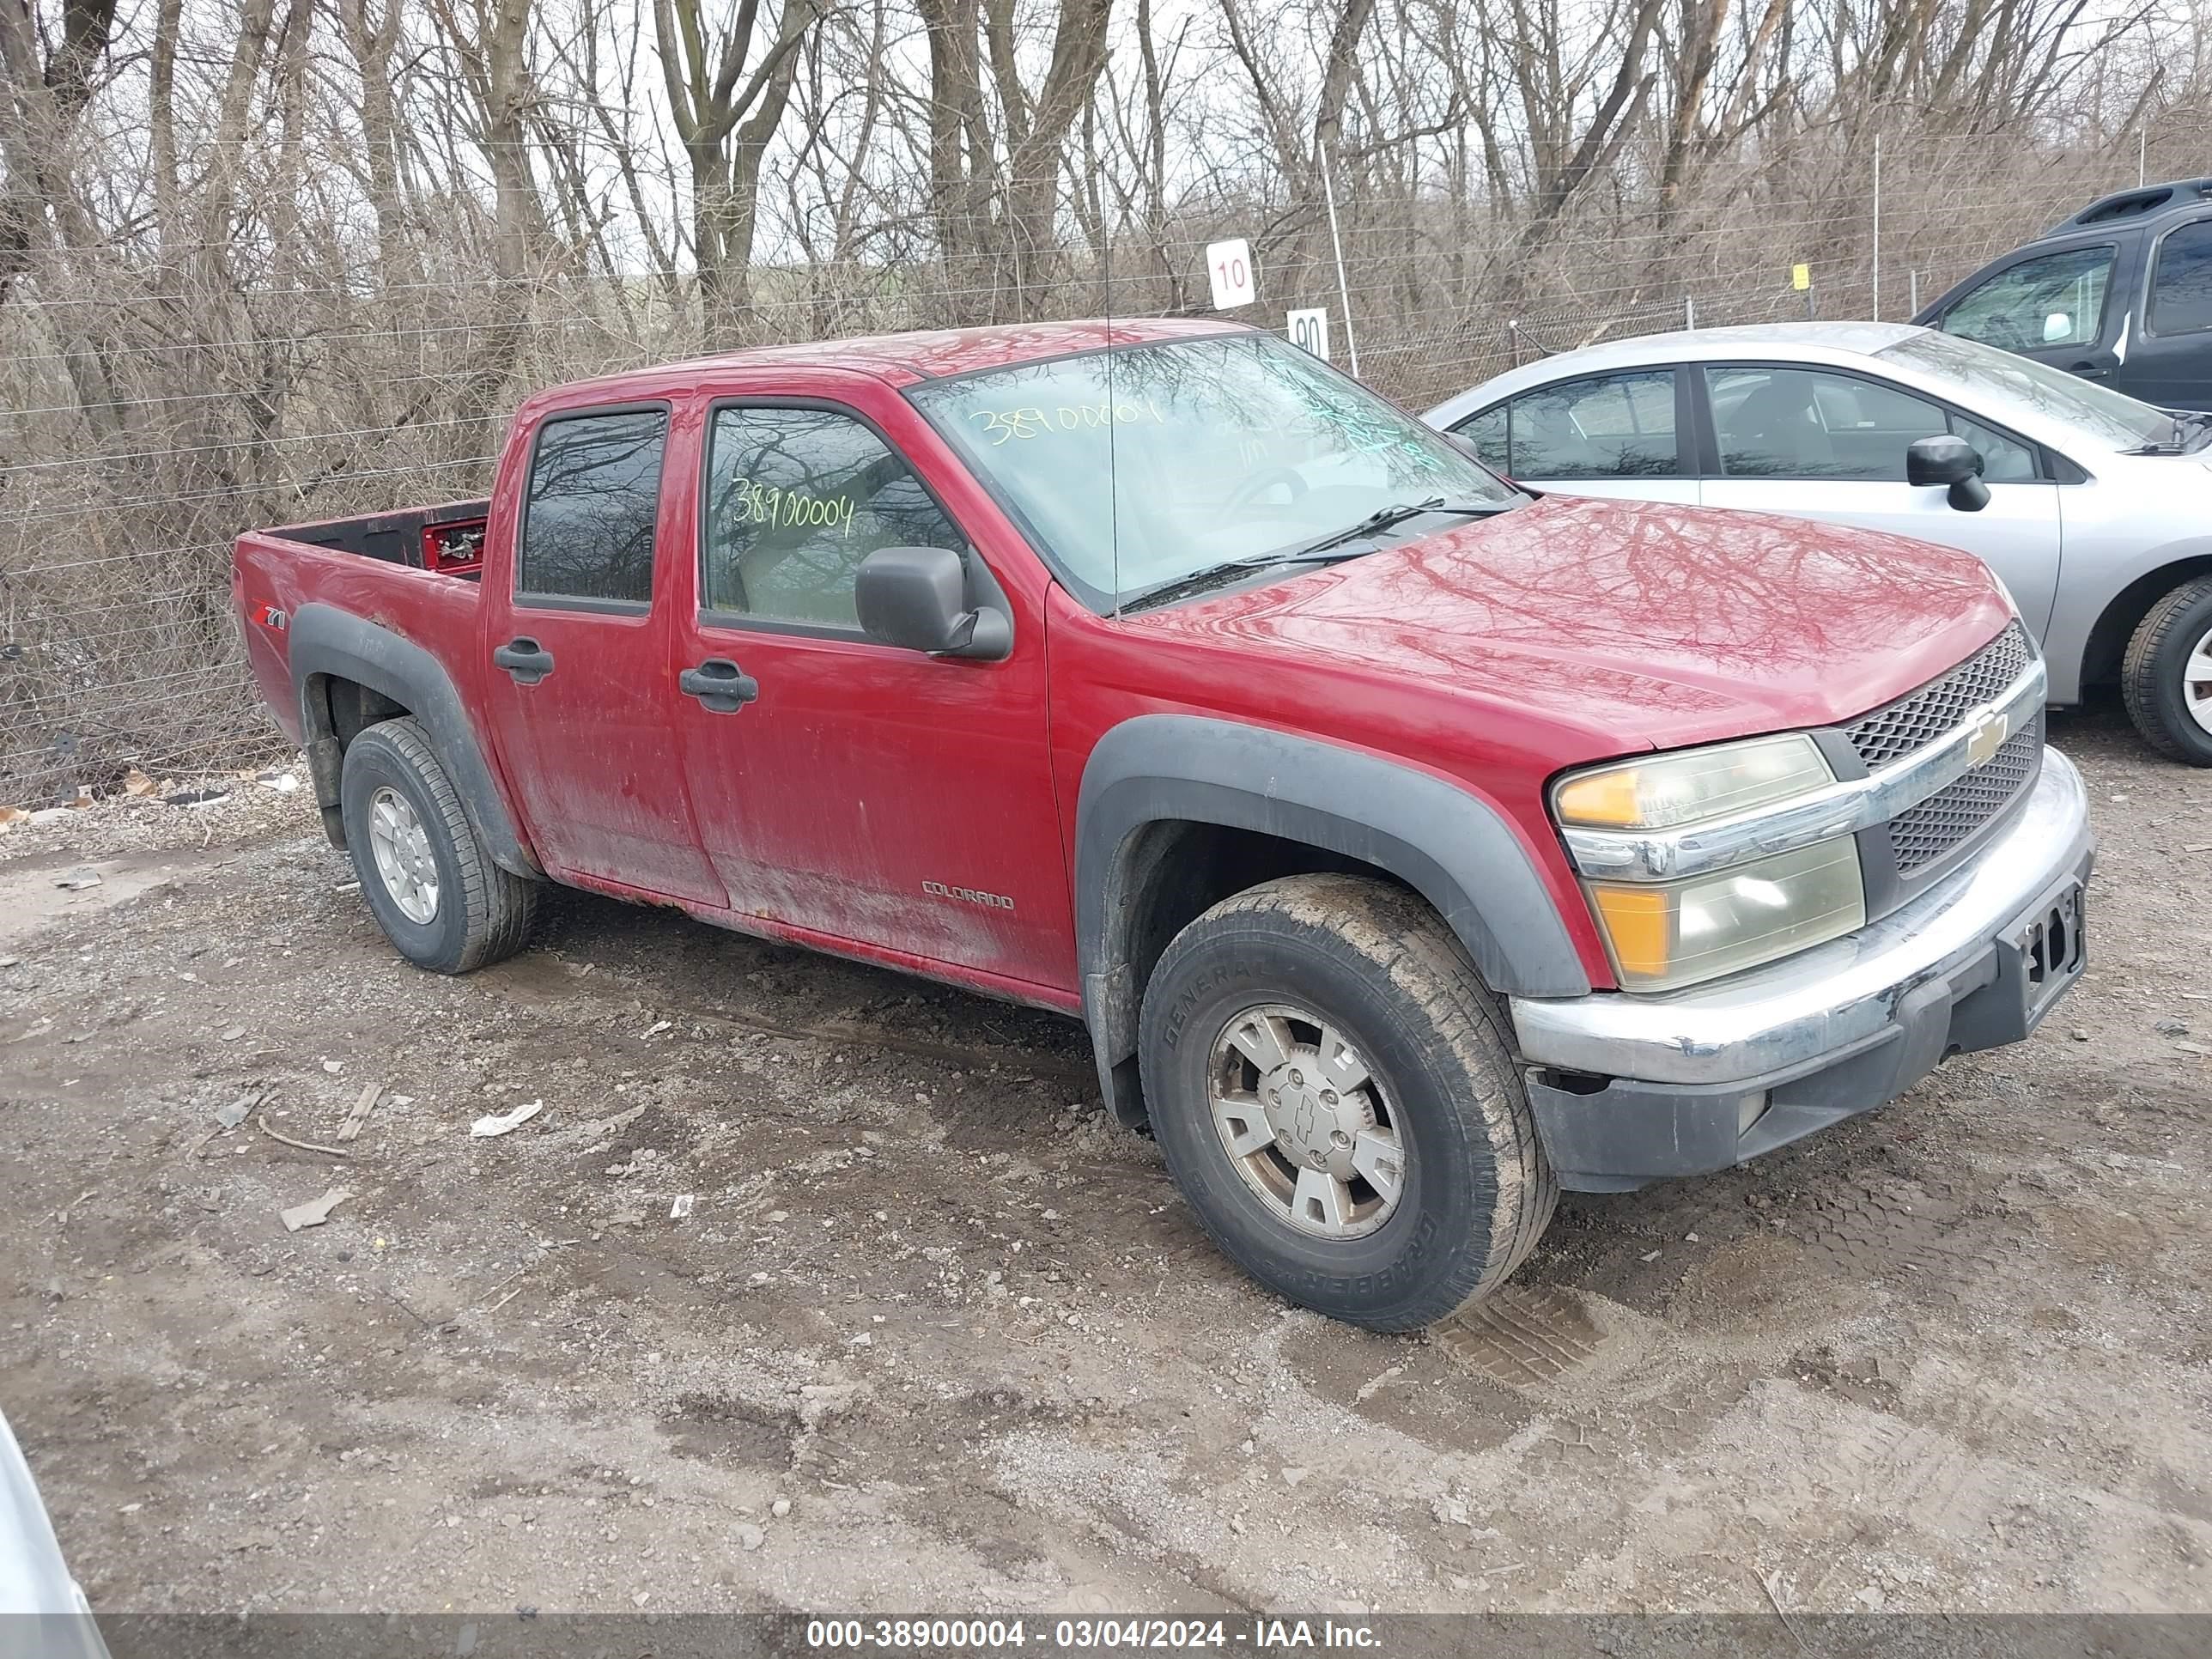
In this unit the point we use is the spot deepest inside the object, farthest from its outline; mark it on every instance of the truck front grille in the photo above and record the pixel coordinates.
(1893, 732)
(1921, 835)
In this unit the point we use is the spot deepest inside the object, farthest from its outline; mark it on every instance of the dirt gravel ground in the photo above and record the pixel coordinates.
(936, 1334)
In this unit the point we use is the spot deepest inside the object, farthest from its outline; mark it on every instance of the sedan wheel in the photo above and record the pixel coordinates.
(2167, 673)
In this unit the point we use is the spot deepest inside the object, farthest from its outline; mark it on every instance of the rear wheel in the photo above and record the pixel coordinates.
(439, 898)
(1329, 1081)
(2166, 674)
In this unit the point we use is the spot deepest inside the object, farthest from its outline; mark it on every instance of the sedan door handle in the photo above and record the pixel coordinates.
(720, 684)
(524, 659)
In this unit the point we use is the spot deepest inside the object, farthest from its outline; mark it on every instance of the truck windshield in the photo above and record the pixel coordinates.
(1138, 467)
(2108, 417)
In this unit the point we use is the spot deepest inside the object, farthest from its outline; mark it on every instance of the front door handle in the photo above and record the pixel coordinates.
(720, 684)
(524, 659)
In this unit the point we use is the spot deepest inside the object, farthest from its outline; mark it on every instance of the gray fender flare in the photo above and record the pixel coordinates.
(328, 643)
(1454, 850)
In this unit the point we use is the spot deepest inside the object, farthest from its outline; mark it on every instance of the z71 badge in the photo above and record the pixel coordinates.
(968, 895)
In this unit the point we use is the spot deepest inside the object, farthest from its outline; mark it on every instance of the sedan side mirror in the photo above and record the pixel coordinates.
(1952, 462)
(917, 597)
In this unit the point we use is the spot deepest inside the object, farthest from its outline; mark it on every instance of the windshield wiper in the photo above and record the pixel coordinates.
(1383, 517)
(1318, 552)
(2182, 442)
(1214, 574)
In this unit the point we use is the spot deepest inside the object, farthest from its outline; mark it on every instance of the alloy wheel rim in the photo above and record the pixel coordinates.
(404, 860)
(2197, 682)
(1306, 1122)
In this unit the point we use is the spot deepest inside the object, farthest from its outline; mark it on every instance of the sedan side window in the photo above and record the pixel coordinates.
(2181, 284)
(1487, 432)
(1610, 426)
(796, 499)
(1775, 422)
(2053, 299)
(2004, 460)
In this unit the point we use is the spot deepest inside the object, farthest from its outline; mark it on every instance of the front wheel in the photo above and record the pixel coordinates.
(1329, 1079)
(438, 897)
(2166, 674)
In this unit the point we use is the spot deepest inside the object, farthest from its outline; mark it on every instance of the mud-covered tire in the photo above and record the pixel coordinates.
(1375, 960)
(2154, 675)
(481, 913)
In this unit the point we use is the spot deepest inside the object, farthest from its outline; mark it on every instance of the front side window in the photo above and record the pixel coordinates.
(796, 499)
(2053, 299)
(2004, 460)
(1611, 426)
(2181, 282)
(587, 520)
(1140, 466)
(1774, 422)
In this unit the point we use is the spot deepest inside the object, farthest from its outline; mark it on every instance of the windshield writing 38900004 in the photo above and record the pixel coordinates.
(1031, 421)
(1135, 468)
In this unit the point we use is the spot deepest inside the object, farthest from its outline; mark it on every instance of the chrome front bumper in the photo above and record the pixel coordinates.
(1834, 1030)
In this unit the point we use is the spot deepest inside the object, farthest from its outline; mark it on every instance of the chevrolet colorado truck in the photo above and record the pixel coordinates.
(1413, 846)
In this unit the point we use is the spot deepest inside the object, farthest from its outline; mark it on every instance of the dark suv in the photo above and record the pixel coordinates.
(2120, 293)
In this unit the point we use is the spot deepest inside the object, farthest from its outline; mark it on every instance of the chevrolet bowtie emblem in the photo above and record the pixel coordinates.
(1986, 731)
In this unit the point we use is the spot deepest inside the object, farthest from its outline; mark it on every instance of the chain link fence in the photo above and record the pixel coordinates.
(151, 413)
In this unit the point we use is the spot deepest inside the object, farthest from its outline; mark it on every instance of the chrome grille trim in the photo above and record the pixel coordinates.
(1919, 718)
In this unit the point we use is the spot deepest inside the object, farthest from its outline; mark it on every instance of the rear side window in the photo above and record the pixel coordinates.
(2181, 282)
(1609, 426)
(2053, 299)
(587, 524)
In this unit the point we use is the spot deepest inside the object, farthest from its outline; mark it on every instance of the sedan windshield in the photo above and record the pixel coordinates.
(1139, 468)
(2015, 384)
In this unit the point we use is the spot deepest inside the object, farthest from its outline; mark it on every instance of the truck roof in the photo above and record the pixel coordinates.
(921, 354)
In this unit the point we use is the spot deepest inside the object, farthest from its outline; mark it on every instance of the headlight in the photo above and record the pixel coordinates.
(1663, 935)
(1669, 791)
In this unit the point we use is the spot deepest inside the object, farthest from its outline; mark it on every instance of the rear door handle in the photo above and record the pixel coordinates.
(720, 684)
(524, 659)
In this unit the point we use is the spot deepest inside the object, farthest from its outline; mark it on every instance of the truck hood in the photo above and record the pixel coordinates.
(1644, 624)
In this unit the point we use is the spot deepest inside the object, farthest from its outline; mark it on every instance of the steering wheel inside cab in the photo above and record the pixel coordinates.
(1245, 498)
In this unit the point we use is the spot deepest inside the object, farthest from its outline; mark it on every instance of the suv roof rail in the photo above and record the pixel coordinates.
(2138, 204)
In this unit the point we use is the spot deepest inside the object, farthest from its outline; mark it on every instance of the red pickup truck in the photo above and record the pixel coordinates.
(1411, 846)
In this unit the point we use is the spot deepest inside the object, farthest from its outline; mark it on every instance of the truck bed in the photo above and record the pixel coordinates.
(397, 568)
(448, 539)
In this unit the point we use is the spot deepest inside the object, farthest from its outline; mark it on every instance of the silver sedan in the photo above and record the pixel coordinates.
(2095, 510)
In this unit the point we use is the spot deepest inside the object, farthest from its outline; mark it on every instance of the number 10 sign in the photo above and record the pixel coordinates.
(1228, 267)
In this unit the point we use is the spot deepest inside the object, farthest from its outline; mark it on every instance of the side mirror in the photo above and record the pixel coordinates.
(1951, 462)
(2058, 327)
(917, 597)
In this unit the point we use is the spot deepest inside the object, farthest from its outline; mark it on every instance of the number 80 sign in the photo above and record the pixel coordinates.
(1229, 268)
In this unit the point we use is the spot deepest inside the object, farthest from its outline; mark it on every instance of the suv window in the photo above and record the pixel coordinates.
(1609, 426)
(2181, 282)
(1775, 422)
(2053, 299)
(587, 522)
(796, 499)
